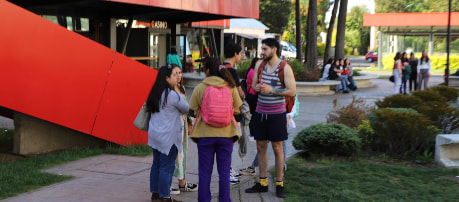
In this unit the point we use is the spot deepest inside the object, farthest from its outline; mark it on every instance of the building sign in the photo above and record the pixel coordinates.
(159, 24)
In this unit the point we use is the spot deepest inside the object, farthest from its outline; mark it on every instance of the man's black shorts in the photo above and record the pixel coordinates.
(272, 127)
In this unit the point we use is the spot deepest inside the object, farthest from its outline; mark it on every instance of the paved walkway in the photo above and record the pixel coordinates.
(125, 178)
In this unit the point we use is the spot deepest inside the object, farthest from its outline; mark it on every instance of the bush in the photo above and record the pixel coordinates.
(429, 95)
(243, 67)
(402, 132)
(351, 115)
(446, 118)
(399, 101)
(297, 67)
(450, 93)
(328, 139)
(320, 50)
(366, 134)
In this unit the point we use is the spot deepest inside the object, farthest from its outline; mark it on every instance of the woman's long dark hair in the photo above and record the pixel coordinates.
(160, 86)
(329, 61)
(397, 56)
(424, 58)
(213, 65)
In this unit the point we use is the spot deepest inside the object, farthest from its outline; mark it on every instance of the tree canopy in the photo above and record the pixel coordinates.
(275, 14)
(402, 6)
(357, 36)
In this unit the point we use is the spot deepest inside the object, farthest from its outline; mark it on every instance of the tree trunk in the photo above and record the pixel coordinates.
(311, 46)
(299, 47)
(330, 31)
(340, 33)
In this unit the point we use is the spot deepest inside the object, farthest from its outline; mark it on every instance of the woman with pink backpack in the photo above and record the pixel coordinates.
(213, 102)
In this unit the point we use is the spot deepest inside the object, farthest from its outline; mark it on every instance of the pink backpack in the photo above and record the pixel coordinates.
(217, 106)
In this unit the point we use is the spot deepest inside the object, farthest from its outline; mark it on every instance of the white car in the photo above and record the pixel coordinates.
(288, 50)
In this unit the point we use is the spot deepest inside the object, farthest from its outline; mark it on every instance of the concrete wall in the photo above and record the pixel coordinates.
(35, 136)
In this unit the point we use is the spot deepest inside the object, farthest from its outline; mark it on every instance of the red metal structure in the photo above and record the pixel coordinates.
(62, 77)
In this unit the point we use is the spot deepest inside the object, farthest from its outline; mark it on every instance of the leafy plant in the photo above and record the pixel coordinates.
(297, 68)
(450, 93)
(399, 101)
(351, 115)
(243, 67)
(429, 95)
(366, 134)
(402, 132)
(328, 139)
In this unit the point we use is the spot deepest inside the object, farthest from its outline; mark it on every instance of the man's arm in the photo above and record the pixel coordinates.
(289, 81)
(255, 78)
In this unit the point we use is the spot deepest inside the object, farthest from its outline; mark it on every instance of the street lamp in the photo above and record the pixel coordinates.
(448, 38)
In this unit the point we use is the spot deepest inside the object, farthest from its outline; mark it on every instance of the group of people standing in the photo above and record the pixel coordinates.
(339, 69)
(170, 122)
(414, 71)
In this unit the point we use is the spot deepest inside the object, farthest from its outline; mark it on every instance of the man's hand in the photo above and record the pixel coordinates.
(265, 88)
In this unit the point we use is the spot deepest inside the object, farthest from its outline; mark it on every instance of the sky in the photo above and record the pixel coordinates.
(351, 3)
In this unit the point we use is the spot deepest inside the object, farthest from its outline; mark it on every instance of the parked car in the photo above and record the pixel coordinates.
(371, 56)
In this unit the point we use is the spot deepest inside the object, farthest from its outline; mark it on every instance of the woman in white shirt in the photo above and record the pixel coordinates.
(424, 66)
(326, 69)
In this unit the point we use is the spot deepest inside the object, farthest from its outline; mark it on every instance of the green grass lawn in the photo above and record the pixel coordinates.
(363, 180)
(24, 174)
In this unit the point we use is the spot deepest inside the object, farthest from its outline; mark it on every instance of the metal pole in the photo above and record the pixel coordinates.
(448, 38)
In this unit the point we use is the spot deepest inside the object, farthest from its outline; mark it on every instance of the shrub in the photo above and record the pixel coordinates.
(429, 95)
(243, 67)
(366, 134)
(402, 132)
(351, 115)
(399, 101)
(297, 67)
(450, 93)
(328, 139)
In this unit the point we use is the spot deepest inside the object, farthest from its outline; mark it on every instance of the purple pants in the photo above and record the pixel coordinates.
(207, 149)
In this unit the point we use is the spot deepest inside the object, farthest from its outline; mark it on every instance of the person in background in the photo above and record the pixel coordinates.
(424, 66)
(347, 65)
(233, 53)
(164, 131)
(406, 72)
(214, 142)
(413, 83)
(251, 95)
(326, 69)
(342, 74)
(398, 67)
(173, 58)
(180, 164)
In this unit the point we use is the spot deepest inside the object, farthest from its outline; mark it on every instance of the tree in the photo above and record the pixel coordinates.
(341, 30)
(298, 31)
(311, 46)
(274, 14)
(290, 32)
(360, 37)
(330, 31)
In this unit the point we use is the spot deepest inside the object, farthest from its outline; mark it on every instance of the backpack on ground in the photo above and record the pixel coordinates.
(289, 101)
(217, 106)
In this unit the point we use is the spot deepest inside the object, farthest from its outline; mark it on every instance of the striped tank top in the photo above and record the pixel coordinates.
(269, 103)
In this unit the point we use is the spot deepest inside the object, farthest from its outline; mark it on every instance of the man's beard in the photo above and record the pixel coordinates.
(268, 58)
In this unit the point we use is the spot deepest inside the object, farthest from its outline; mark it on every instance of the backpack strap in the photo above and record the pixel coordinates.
(280, 72)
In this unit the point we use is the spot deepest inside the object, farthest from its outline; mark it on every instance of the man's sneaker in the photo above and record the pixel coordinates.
(234, 173)
(280, 191)
(247, 171)
(257, 188)
(175, 191)
(233, 180)
(189, 187)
